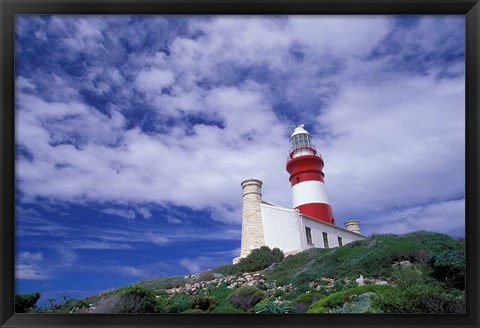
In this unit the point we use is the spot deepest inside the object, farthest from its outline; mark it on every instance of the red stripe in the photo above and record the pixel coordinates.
(305, 168)
(320, 211)
(306, 176)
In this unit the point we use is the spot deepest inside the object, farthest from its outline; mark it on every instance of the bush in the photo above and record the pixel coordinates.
(272, 307)
(178, 303)
(134, 298)
(259, 259)
(203, 303)
(158, 284)
(303, 301)
(246, 297)
(26, 302)
(205, 276)
(337, 299)
(115, 303)
(358, 304)
(442, 304)
(449, 266)
(408, 276)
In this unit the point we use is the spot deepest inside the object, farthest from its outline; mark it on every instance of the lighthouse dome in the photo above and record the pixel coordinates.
(300, 129)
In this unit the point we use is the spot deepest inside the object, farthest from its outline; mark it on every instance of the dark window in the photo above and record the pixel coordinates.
(340, 242)
(325, 239)
(308, 232)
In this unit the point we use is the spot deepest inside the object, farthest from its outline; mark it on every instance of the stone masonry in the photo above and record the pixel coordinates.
(252, 226)
(353, 226)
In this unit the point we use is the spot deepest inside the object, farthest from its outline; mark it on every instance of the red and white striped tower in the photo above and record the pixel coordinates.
(305, 166)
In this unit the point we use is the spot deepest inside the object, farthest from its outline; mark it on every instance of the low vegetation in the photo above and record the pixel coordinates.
(421, 272)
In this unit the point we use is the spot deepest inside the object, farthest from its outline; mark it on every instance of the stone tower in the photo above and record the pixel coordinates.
(252, 226)
(353, 226)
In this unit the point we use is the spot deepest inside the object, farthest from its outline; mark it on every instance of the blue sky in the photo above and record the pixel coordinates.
(133, 134)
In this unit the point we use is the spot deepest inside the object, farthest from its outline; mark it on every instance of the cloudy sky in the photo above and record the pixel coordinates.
(133, 134)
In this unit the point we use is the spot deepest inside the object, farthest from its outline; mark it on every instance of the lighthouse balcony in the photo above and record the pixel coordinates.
(301, 151)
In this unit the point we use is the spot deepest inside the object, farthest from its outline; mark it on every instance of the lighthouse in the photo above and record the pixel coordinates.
(305, 166)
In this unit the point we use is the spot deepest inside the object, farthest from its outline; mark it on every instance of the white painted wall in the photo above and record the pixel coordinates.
(332, 231)
(282, 228)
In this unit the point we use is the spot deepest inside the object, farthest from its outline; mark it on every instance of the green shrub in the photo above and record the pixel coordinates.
(406, 277)
(158, 284)
(136, 298)
(303, 301)
(305, 276)
(26, 302)
(339, 298)
(246, 297)
(115, 303)
(358, 304)
(272, 307)
(203, 303)
(449, 266)
(205, 276)
(178, 303)
(442, 304)
(435, 240)
(417, 298)
(259, 259)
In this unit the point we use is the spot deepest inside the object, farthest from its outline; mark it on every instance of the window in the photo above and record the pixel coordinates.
(340, 241)
(325, 239)
(308, 232)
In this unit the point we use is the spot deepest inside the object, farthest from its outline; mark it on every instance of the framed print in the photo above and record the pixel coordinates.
(222, 163)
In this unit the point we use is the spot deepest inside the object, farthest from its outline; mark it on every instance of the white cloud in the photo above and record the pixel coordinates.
(173, 220)
(144, 212)
(30, 256)
(444, 217)
(127, 214)
(92, 244)
(29, 272)
(154, 80)
(156, 239)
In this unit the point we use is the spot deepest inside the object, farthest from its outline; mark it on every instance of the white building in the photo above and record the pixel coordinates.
(267, 224)
(310, 224)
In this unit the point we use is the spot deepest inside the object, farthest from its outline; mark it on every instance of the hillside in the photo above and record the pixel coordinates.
(421, 272)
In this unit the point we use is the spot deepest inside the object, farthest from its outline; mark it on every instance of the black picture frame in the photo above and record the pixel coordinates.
(10, 8)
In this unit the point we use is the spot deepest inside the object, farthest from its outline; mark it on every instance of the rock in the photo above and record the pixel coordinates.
(405, 264)
(217, 275)
(381, 282)
(360, 281)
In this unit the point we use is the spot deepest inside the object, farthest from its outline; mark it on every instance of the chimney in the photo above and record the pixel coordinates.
(353, 226)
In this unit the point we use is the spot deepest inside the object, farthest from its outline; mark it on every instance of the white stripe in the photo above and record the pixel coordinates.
(308, 192)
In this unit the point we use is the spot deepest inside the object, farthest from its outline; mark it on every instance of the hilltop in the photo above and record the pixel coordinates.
(420, 272)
